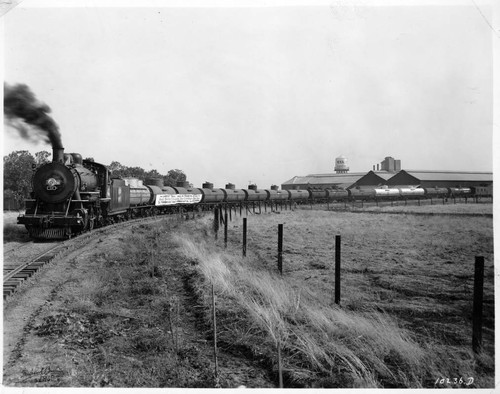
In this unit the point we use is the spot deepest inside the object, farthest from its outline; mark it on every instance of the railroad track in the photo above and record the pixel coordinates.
(15, 274)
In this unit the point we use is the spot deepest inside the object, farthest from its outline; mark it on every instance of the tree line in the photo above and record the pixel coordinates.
(18, 171)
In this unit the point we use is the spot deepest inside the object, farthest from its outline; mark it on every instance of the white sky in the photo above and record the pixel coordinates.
(261, 94)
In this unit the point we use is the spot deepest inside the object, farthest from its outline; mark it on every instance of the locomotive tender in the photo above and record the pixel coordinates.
(71, 195)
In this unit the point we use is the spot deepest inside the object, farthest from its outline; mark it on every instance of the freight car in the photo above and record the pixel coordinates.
(482, 191)
(71, 195)
(382, 193)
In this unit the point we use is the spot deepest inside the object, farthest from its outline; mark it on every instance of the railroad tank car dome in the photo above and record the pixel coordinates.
(154, 181)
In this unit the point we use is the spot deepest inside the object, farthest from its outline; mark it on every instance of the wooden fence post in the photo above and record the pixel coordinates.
(225, 229)
(244, 237)
(280, 248)
(214, 320)
(477, 309)
(216, 221)
(280, 365)
(337, 269)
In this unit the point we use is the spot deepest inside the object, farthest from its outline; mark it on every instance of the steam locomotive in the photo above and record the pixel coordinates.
(71, 195)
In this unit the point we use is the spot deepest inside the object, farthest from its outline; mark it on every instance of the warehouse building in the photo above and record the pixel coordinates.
(373, 178)
(342, 178)
(441, 179)
(323, 181)
(389, 173)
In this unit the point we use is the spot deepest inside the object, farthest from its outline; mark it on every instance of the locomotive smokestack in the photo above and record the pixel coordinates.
(58, 155)
(24, 113)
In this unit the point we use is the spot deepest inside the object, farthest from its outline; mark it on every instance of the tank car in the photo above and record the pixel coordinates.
(338, 194)
(459, 191)
(234, 195)
(412, 192)
(274, 194)
(359, 193)
(211, 195)
(387, 192)
(168, 197)
(436, 192)
(140, 194)
(316, 193)
(253, 194)
(298, 195)
(188, 195)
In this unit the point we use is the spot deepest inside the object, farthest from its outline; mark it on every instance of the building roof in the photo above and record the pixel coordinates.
(384, 174)
(425, 175)
(323, 179)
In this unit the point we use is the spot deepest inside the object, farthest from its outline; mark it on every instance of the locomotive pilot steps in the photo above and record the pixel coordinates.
(71, 195)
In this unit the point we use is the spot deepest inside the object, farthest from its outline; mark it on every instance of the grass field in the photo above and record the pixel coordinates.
(406, 303)
(404, 318)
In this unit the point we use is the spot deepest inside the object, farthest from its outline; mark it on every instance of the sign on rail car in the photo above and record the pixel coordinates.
(172, 199)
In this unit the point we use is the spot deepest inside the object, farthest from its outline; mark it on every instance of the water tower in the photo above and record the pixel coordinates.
(341, 166)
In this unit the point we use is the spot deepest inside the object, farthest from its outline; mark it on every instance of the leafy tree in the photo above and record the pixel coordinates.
(173, 177)
(153, 174)
(17, 173)
(42, 157)
(10, 201)
(116, 168)
(134, 172)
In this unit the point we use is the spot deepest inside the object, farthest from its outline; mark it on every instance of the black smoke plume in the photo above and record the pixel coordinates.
(29, 116)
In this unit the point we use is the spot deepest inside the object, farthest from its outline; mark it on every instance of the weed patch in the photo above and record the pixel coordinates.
(363, 344)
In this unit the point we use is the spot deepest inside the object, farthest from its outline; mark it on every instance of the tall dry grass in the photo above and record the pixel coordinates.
(322, 344)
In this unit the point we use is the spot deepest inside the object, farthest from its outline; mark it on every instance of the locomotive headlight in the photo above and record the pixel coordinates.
(52, 184)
